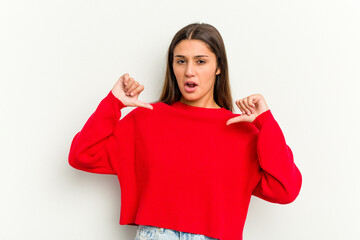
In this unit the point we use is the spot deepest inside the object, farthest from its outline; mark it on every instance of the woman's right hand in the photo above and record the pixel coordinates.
(126, 84)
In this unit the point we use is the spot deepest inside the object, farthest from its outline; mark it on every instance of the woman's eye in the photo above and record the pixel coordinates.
(200, 61)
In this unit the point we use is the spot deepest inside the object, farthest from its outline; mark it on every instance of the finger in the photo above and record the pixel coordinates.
(251, 102)
(247, 103)
(125, 78)
(234, 120)
(132, 87)
(247, 107)
(145, 105)
(239, 106)
(130, 81)
(244, 107)
(137, 90)
(230, 121)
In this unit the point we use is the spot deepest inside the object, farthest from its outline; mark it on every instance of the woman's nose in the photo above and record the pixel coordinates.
(189, 70)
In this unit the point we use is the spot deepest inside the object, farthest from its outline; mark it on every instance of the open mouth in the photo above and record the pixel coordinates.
(191, 84)
(190, 87)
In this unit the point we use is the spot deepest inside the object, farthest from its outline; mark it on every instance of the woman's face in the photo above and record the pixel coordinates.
(193, 61)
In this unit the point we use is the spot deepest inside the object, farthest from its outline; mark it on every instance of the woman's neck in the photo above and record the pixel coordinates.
(199, 103)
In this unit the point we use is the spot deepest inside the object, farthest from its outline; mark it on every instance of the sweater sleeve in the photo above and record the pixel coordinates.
(90, 148)
(280, 180)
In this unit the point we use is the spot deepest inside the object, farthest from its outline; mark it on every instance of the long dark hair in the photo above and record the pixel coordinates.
(211, 36)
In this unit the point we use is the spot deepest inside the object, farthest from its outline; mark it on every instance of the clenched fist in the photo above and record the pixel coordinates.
(127, 90)
(251, 107)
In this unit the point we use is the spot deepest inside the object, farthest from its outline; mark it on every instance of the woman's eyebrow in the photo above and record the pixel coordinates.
(197, 56)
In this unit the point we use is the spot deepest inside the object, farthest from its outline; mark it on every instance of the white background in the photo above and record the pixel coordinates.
(59, 59)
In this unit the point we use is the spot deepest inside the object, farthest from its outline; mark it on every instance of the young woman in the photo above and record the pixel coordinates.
(187, 165)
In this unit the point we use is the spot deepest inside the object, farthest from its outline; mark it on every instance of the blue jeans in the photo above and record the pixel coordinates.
(145, 232)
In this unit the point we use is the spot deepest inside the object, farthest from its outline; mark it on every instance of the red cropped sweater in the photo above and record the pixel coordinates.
(181, 167)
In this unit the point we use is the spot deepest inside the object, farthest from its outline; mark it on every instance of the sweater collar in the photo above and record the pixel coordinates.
(183, 106)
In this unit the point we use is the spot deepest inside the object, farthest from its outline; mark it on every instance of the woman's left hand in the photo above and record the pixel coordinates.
(251, 107)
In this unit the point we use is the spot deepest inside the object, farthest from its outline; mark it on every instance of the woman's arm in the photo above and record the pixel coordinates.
(91, 146)
(280, 180)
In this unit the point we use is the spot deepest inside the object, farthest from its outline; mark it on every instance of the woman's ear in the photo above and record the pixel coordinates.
(217, 71)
